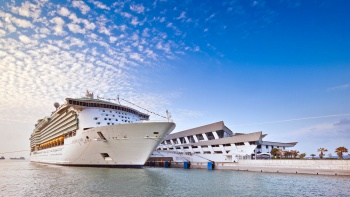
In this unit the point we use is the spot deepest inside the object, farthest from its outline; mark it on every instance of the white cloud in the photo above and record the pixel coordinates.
(145, 32)
(75, 28)
(63, 11)
(104, 30)
(45, 30)
(339, 87)
(24, 39)
(112, 39)
(77, 42)
(134, 21)
(10, 28)
(210, 17)
(182, 16)
(81, 6)
(58, 28)
(137, 8)
(100, 5)
(164, 47)
(17, 21)
(136, 56)
(125, 14)
(2, 32)
(28, 9)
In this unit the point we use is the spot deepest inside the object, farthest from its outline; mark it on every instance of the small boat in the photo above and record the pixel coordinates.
(2, 157)
(17, 158)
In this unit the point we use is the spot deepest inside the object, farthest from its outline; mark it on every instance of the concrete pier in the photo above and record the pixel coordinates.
(296, 166)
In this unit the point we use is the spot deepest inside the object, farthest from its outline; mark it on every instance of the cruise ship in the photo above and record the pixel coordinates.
(92, 131)
(216, 143)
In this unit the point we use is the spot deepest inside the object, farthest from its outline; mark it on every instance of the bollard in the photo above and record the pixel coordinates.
(210, 165)
(167, 164)
(186, 165)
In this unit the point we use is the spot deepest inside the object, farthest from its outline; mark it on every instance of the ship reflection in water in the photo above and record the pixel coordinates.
(33, 179)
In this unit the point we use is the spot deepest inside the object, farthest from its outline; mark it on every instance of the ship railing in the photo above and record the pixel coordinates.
(170, 120)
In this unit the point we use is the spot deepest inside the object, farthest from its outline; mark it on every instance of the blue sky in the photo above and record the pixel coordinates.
(243, 62)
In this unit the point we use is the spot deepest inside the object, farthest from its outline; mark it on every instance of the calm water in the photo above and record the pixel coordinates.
(22, 178)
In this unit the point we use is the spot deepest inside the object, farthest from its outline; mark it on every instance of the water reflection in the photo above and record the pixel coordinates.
(30, 179)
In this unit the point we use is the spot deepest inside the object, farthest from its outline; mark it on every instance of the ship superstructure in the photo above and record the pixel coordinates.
(217, 143)
(96, 132)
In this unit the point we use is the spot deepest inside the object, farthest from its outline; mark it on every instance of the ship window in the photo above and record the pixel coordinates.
(112, 123)
(267, 146)
(109, 119)
(87, 128)
(104, 155)
(96, 118)
(194, 146)
(106, 114)
(227, 144)
(108, 123)
(186, 147)
(105, 118)
(116, 119)
(110, 111)
(217, 152)
(103, 110)
(204, 146)
(155, 132)
(206, 152)
(98, 123)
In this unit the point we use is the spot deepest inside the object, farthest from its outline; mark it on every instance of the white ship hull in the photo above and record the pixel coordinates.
(126, 145)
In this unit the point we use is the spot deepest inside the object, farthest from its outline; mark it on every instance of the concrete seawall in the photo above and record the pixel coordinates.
(298, 166)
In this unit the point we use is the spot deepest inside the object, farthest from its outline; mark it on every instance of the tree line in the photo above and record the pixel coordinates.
(280, 153)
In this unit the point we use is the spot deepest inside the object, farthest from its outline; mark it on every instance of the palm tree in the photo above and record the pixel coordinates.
(340, 150)
(286, 154)
(312, 155)
(274, 152)
(302, 155)
(322, 150)
(294, 153)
